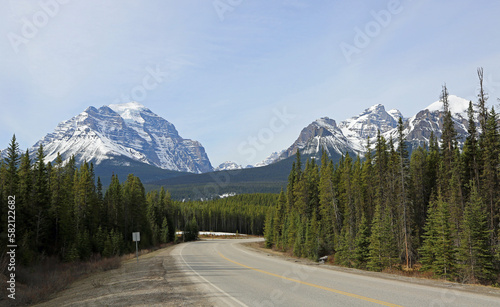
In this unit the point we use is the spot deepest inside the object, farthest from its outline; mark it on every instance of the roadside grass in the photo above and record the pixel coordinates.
(37, 283)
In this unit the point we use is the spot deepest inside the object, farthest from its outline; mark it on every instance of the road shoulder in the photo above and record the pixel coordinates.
(156, 280)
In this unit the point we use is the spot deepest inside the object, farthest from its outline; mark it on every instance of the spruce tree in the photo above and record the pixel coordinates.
(482, 98)
(165, 236)
(367, 181)
(471, 150)
(12, 161)
(269, 228)
(376, 254)
(279, 219)
(448, 137)
(406, 213)
(41, 198)
(438, 250)
(420, 189)
(362, 244)
(326, 209)
(474, 253)
(490, 175)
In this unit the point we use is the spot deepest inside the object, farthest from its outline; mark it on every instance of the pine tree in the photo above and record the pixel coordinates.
(368, 182)
(362, 244)
(403, 194)
(438, 250)
(482, 98)
(135, 210)
(165, 237)
(113, 203)
(346, 197)
(376, 254)
(12, 160)
(312, 182)
(490, 144)
(471, 150)
(41, 198)
(448, 141)
(279, 219)
(328, 211)
(312, 239)
(380, 171)
(474, 252)
(84, 197)
(56, 199)
(420, 189)
(191, 230)
(269, 228)
(300, 193)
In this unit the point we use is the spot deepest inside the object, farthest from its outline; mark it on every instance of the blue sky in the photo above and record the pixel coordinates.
(242, 77)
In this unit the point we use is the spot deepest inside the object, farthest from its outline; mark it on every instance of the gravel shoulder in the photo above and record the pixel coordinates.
(155, 281)
(161, 280)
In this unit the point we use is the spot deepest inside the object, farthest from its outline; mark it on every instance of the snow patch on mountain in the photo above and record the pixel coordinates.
(228, 166)
(270, 159)
(351, 134)
(129, 130)
(457, 105)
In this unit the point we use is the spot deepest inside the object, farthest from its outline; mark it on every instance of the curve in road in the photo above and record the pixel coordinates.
(231, 275)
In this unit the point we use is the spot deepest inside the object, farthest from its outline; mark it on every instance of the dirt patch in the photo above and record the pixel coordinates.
(154, 281)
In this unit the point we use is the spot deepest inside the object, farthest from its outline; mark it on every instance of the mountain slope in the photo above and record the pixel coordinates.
(351, 134)
(418, 128)
(322, 134)
(124, 130)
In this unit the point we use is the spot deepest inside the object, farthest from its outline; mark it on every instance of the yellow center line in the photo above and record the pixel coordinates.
(314, 285)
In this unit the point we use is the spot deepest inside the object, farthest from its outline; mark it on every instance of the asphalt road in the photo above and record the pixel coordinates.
(232, 275)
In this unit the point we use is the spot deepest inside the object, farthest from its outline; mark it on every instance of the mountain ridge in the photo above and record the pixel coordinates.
(129, 130)
(351, 135)
(133, 131)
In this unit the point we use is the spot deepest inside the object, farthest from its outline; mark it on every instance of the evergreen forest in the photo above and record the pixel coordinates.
(436, 210)
(63, 210)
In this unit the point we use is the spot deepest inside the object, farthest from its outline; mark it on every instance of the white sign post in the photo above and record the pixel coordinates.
(136, 237)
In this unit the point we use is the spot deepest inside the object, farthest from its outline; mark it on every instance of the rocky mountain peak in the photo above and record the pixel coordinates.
(130, 130)
(369, 122)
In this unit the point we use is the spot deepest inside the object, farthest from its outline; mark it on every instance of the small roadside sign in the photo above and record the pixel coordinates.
(136, 237)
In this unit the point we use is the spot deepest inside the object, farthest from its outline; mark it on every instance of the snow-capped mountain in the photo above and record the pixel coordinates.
(418, 128)
(351, 134)
(321, 134)
(368, 123)
(124, 130)
(228, 166)
(270, 159)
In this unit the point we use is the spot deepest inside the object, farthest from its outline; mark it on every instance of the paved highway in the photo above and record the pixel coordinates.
(233, 275)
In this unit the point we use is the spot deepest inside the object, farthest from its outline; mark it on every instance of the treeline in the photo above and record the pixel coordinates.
(63, 210)
(238, 214)
(438, 209)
